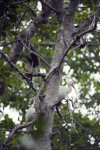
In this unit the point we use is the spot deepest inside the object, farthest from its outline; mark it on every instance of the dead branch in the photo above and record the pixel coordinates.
(86, 22)
(57, 131)
(48, 43)
(29, 8)
(34, 52)
(78, 37)
(20, 2)
(14, 41)
(59, 113)
(31, 74)
(17, 69)
(30, 31)
(25, 124)
(79, 46)
(14, 130)
(49, 6)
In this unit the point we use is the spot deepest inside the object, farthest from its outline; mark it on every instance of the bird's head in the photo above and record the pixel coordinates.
(70, 83)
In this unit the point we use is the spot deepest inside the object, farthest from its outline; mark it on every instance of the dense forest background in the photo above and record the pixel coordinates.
(82, 65)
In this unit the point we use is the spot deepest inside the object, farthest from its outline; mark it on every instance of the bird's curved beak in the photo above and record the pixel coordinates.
(74, 88)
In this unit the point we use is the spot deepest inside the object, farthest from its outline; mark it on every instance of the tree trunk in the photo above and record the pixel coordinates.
(44, 141)
(66, 29)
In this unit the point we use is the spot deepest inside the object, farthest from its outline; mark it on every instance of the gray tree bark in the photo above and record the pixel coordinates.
(66, 29)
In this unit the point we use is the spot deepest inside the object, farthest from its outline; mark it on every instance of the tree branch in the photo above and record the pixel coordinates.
(97, 59)
(7, 7)
(34, 52)
(48, 43)
(14, 130)
(17, 69)
(49, 6)
(79, 46)
(31, 74)
(9, 130)
(30, 31)
(79, 125)
(84, 24)
(20, 2)
(59, 113)
(25, 124)
(87, 21)
(14, 41)
(57, 131)
(72, 7)
(29, 8)
(78, 37)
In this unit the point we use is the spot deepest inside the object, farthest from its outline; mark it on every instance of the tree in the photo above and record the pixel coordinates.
(65, 33)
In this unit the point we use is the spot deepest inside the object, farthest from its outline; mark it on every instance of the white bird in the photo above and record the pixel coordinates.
(64, 91)
(63, 94)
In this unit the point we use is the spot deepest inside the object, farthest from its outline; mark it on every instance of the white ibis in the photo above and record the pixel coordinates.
(64, 91)
(62, 94)
(30, 113)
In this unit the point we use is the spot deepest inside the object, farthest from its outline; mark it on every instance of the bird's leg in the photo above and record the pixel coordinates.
(71, 116)
(70, 112)
(72, 102)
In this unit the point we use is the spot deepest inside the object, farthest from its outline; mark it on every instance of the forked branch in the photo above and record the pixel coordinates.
(18, 70)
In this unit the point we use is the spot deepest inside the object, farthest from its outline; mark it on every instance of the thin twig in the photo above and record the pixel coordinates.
(17, 69)
(31, 74)
(29, 8)
(9, 43)
(14, 130)
(9, 130)
(79, 124)
(75, 48)
(10, 9)
(48, 43)
(25, 124)
(20, 2)
(58, 130)
(77, 38)
(50, 73)
(49, 6)
(33, 52)
(22, 17)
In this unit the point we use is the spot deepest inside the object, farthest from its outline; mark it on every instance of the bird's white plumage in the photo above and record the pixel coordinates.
(64, 91)
(70, 82)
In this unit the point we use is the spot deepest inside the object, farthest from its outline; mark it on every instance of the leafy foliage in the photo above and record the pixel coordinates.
(84, 63)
